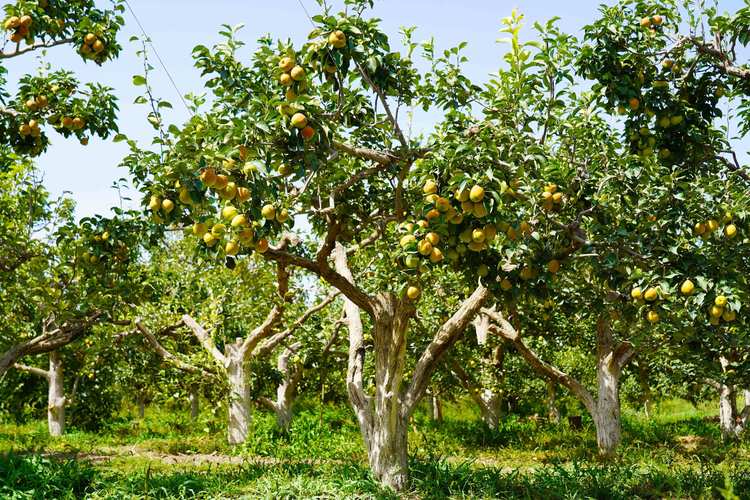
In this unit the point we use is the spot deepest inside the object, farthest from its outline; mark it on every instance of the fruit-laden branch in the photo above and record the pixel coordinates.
(444, 339)
(268, 345)
(274, 315)
(356, 364)
(164, 353)
(322, 269)
(205, 339)
(503, 328)
(48, 341)
(36, 46)
(32, 370)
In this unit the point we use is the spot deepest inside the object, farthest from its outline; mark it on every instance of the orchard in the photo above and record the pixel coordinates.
(355, 268)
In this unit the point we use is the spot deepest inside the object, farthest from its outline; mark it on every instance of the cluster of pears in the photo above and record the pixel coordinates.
(293, 78)
(239, 232)
(221, 184)
(652, 22)
(20, 27)
(36, 103)
(718, 312)
(650, 295)
(711, 226)
(100, 247)
(91, 46)
(30, 128)
(552, 198)
(71, 123)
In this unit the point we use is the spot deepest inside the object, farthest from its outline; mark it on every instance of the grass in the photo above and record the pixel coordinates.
(677, 454)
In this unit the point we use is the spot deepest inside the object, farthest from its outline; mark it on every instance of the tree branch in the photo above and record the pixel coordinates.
(164, 353)
(356, 363)
(335, 279)
(205, 339)
(32, 370)
(383, 158)
(38, 45)
(445, 337)
(503, 328)
(271, 343)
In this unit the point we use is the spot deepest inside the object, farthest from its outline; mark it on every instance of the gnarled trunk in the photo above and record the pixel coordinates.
(240, 410)
(194, 399)
(607, 414)
(385, 430)
(387, 449)
(56, 396)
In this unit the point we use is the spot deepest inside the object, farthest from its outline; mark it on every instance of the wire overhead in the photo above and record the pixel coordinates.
(158, 57)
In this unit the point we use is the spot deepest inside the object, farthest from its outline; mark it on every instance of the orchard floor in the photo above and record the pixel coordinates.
(676, 454)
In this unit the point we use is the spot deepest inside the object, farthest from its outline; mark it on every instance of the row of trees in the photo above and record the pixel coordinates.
(586, 199)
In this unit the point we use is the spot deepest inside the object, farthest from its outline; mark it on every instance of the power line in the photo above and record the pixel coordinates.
(156, 53)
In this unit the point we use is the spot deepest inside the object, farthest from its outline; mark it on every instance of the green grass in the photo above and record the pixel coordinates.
(677, 454)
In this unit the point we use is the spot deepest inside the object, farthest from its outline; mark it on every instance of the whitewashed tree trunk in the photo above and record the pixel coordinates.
(490, 409)
(553, 412)
(286, 392)
(240, 404)
(727, 412)
(611, 358)
(56, 396)
(607, 414)
(194, 399)
(383, 417)
(436, 408)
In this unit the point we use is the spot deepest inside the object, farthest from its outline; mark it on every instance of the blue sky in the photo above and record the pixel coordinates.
(176, 26)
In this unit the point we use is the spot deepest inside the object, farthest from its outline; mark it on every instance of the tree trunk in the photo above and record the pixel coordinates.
(436, 408)
(607, 414)
(56, 396)
(387, 449)
(727, 412)
(490, 408)
(286, 392)
(194, 398)
(240, 416)
(647, 396)
(553, 412)
(387, 434)
(141, 406)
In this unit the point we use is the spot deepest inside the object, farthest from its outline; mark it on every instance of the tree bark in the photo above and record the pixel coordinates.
(607, 415)
(436, 408)
(553, 412)
(240, 409)
(286, 392)
(56, 396)
(383, 417)
(194, 399)
(141, 406)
